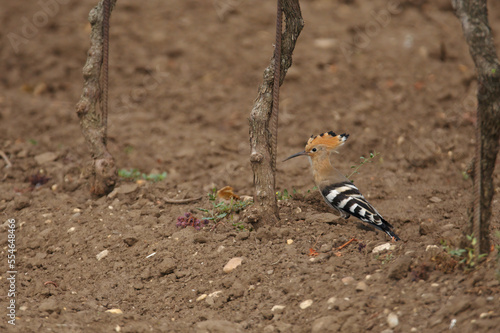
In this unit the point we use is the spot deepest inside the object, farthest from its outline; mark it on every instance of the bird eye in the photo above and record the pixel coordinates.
(314, 150)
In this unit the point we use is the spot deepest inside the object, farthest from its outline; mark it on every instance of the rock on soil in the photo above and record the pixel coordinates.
(232, 264)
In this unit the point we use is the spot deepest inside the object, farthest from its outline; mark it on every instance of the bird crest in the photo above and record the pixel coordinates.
(327, 139)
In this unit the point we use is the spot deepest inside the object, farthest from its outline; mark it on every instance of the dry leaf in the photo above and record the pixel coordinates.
(313, 252)
(227, 193)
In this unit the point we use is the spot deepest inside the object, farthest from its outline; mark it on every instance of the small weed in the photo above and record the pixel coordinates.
(384, 258)
(465, 257)
(240, 226)
(33, 142)
(285, 195)
(312, 190)
(223, 209)
(134, 174)
(364, 161)
(213, 196)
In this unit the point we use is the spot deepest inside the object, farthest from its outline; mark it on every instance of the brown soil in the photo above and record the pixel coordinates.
(184, 75)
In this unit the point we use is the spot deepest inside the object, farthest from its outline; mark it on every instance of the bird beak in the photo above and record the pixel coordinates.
(302, 153)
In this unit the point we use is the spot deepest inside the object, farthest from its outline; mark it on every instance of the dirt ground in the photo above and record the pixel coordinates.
(396, 76)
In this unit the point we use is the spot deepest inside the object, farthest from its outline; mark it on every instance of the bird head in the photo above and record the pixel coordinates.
(321, 144)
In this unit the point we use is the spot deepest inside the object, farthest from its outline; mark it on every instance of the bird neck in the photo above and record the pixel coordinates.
(323, 171)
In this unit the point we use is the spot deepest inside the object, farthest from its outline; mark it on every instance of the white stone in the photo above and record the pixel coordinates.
(278, 308)
(392, 320)
(215, 294)
(307, 303)
(201, 297)
(383, 247)
(232, 264)
(115, 311)
(101, 255)
(289, 241)
(432, 247)
(331, 300)
(435, 199)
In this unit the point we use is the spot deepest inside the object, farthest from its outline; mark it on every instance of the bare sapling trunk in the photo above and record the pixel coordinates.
(93, 122)
(473, 15)
(264, 116)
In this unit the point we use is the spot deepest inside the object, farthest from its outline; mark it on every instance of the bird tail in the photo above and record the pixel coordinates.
(387, 228)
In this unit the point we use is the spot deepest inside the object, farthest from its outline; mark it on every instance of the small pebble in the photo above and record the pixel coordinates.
(347, 280)
(307, 303)
(201, 297)
(361, 286)
(102, 254)
(486, 315)
(392, 320)
(71, 229)
(278, 308)
(432, 247)
(383, 247)
(435, 199)
(289, 241)
(331, 300)
(115, 311)
(232, 264)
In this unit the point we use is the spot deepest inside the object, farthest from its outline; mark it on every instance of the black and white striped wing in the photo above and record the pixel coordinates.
(346, 197)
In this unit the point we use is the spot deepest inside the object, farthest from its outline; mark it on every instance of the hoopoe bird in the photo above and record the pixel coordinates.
(335, 188)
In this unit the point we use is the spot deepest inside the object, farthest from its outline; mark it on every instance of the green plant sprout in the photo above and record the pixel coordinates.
(223, 209)
(285, 195)
(364, 161)
(135, 174)
(384, 258)
(213, 195)
(467, 256)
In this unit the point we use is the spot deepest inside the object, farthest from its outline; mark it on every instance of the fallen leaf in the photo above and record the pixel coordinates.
(227, 193)
(313, 252)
